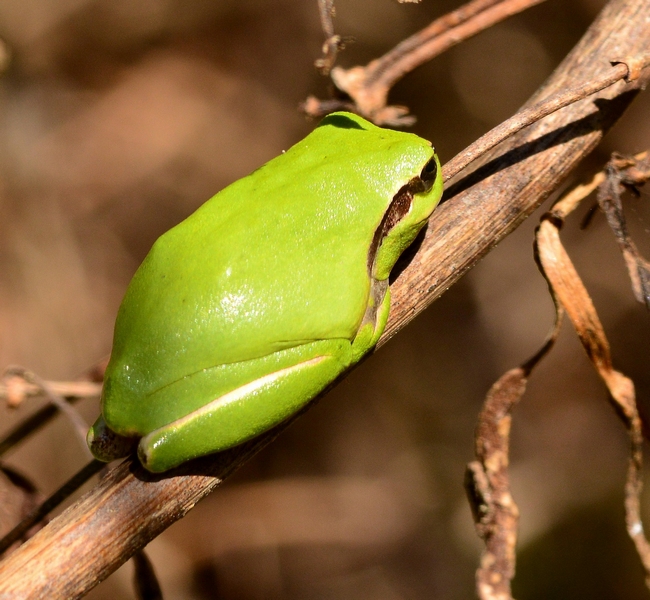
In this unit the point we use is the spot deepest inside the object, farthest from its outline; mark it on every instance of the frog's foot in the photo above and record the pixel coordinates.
(106, 445)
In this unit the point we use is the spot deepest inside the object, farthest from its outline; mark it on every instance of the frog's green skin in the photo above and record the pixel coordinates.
(250, 307)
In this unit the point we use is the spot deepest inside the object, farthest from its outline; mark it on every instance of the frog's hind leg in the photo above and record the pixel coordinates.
(240, 414)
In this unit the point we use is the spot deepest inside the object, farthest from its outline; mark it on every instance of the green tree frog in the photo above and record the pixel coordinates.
(251, 306)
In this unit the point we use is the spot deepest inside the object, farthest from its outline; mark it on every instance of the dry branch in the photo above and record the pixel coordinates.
(130, 507)
(367, 87)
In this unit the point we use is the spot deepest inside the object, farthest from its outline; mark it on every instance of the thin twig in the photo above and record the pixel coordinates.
(16, 389)
(67, 389)
(29, 426)
(326, 11)
(333, 43)
(534, 113)
(609, 200)
(440, 35)
(80, 426)
(61, 495)
(369, 86)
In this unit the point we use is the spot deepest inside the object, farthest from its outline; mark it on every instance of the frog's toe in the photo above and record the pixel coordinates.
(106, 445)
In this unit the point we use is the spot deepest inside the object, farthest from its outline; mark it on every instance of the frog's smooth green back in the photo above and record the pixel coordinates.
(275, 259)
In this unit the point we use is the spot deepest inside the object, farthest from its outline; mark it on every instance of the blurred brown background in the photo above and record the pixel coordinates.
(118, 118)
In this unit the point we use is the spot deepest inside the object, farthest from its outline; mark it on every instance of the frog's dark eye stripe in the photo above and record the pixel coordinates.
(398, 209)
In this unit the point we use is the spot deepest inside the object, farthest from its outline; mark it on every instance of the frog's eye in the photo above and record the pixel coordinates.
(429, 173)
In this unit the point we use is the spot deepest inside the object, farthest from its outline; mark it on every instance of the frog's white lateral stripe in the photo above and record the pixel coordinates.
(241, 392)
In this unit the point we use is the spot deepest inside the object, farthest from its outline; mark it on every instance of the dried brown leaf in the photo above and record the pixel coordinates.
(486, 479)
(570, 292)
